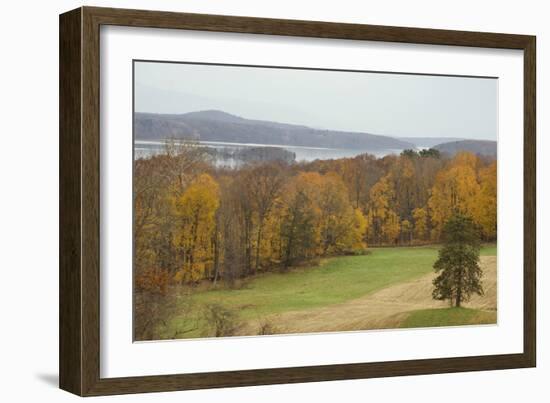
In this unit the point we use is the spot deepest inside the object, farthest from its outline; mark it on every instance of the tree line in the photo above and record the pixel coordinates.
(195, 221)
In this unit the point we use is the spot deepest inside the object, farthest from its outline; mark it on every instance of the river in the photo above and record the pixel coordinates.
(146, 148)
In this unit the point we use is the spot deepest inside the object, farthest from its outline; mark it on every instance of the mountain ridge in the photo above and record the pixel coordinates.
(428, 142)
(480, 147)
(216, 125)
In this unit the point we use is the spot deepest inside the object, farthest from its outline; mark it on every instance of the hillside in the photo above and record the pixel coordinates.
(480, 147)
(220, 126)
(427, 142)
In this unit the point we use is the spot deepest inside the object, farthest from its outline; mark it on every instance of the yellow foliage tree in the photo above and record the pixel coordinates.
(195, 211)
(383, 222)
(271, 244)
(420, 217)
(485, 213)
(341, 226)
(359, 230)
(455, 190)
(391, 227)
(318, 218)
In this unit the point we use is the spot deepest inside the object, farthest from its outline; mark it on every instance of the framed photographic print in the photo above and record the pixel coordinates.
(249, 201)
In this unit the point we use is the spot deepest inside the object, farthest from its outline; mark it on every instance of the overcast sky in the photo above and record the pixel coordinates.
(396, 105)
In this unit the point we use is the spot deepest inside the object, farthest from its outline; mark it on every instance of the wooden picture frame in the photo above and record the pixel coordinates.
(79, 346)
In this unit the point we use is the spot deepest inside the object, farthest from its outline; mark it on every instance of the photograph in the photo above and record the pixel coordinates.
(276, 200)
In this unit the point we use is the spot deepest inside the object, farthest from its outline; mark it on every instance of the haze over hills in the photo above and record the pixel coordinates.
(219, 126)
(214, 125)
(481, 147)
(428, 142)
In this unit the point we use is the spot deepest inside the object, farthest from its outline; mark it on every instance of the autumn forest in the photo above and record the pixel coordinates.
(200, 228)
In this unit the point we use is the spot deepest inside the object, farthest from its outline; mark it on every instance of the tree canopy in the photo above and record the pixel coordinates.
(197, 221)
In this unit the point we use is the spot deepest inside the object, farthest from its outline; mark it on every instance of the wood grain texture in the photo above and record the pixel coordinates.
(90, 202)
(80, 201)
(316, 29)
(70, 315)
(530, 202)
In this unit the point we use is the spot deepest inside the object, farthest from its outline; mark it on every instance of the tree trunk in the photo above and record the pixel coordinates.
(459, 294)
(459, 286)
(216, 256)
(258, 240)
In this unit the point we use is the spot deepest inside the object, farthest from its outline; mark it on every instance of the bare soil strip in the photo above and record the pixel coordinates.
(383, 309)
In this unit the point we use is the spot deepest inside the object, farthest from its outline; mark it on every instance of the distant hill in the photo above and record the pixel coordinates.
(427, 142)
(215, 125)
(480, 147)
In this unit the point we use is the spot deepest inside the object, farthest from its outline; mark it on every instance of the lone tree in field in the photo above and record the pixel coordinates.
(458, 262)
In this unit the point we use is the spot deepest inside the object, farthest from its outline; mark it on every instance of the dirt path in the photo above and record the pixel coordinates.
(385, 308)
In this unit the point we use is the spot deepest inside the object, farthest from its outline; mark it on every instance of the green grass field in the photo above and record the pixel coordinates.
(448, 317)
(335, 280)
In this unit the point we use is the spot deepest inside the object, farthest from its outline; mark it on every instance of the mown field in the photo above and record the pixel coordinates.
(388, 288)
